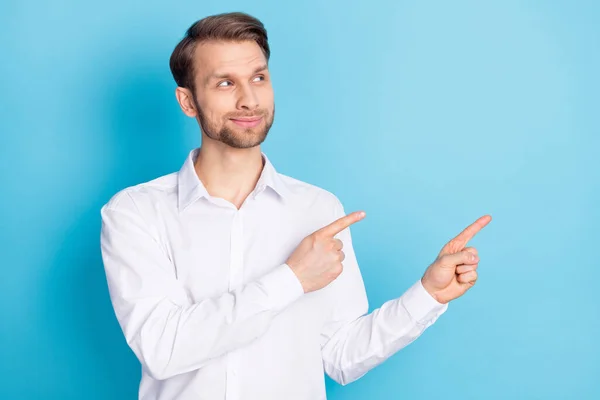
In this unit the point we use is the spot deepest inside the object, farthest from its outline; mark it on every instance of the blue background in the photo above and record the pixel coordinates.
(425, 114)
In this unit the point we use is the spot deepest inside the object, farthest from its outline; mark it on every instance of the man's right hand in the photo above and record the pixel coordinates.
(317, 260)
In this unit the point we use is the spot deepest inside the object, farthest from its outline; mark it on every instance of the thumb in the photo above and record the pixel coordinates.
(462, 257)
(471, 250)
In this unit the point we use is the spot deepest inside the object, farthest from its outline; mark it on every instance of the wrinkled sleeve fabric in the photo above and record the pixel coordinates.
(354, 342)
(168, 333)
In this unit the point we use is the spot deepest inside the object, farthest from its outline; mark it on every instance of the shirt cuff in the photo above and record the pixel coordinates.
(282, 287)
(421, 305)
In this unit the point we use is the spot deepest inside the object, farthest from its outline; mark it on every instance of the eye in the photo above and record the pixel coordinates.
(261, 77)
(221, 84)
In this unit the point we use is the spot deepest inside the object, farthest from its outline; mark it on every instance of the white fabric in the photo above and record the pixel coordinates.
(206, 302)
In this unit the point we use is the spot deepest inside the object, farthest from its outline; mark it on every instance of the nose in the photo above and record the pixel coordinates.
(247, 99)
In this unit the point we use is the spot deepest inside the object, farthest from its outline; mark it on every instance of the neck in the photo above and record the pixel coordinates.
(228, 173)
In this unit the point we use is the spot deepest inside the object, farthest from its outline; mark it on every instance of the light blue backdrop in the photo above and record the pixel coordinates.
(425, 114)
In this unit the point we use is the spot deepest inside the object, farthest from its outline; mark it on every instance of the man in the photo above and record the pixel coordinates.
(232, 281)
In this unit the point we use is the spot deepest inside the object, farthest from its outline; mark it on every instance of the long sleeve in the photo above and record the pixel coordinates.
(168, 334)
(354, 342)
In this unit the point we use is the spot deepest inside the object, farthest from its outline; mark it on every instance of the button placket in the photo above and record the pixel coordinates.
(236, 266)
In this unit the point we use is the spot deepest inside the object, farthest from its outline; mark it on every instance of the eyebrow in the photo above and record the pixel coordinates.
(224, 75)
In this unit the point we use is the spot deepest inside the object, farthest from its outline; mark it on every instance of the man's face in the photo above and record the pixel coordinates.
(233, 96)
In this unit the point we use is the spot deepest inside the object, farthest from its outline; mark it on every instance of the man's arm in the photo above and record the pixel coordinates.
(354, 342)
(168, 333)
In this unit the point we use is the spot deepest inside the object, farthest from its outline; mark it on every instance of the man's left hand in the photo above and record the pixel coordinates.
(455, 269)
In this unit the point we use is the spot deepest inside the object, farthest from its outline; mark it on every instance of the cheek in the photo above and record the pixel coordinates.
(215, 108)
(266, 97)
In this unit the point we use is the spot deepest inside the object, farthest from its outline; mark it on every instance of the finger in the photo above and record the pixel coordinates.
(461, 269)
(461, 240)
(462, 257)
(339, 225)
(472, 250)
(338, 244)
(467, 277)
(342, 255)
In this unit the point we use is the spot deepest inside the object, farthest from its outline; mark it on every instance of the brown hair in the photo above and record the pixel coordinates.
(234, 26)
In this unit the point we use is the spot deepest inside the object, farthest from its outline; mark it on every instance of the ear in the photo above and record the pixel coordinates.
(186, 101)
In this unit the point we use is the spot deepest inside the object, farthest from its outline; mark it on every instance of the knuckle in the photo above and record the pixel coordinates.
(469, 277)
(338, 268)
(473, 250)
(317, 243)
(452, 245)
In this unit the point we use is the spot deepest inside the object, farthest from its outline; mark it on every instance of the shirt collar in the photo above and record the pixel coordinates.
(191, 188)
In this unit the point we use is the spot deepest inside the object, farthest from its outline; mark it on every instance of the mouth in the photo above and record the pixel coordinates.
(247, 122)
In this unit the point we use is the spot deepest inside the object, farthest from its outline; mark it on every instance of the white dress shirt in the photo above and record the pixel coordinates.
(209, 307)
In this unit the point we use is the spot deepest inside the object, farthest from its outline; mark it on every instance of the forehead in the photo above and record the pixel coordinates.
(227, 57)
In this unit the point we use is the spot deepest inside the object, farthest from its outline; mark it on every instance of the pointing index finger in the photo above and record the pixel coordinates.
(339, 225)
(461, 240)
